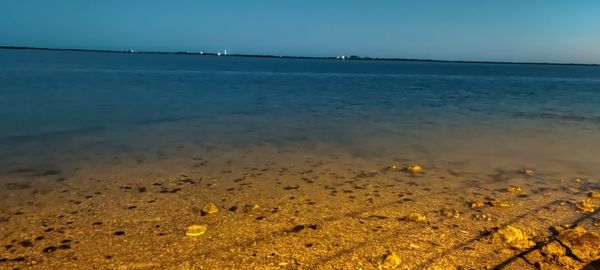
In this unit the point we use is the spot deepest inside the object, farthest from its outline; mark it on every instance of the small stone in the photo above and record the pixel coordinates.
(594, 194)
(393, 168)
(586, 206)
(196, 230)
(514, 189)
(416, 217)
(483, 216)
(391, 261)
(513, 237)
(478, 203)
(451, 213)
(414, 168)
(553, 249)
(499, 203)
(528, 172)
(210, 208)
(251, 207)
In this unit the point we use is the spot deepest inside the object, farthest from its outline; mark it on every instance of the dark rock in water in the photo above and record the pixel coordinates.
(65, 246)
(49, 249)
(39, 238)
(142, 189)
(233, 208)
(119, 233)
(3, 260)
(26, 243)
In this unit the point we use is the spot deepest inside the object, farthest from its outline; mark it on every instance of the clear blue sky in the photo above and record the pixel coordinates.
(499, 30)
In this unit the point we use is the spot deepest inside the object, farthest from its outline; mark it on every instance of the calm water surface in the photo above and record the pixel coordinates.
(59, 107)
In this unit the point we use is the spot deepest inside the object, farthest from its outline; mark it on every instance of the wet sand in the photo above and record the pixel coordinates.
(284, 208)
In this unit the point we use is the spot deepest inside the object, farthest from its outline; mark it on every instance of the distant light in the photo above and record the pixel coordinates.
(219, 54)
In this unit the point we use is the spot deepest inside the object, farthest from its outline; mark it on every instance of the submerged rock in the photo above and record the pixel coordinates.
(413, 168)
(391, 261)
(513, 237)
(583, 244)
(210, 208)
(416, 217)
(478, 203)
(499, 203)
(528, 172)
(196, 230)
(514, 189)
(586, 206)
(451, 213)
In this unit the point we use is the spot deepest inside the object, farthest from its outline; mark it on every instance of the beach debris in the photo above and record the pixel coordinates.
(210, 208)
(393, 167)
(514, 189)
(483, 216)
(528, 172)
(477, 203)
(513, 237)
(251, 207)
(390, 261)
(413, 169)
(586, 206)
(450, 212)
(594, 194)
(582, 244)
(196, 230)
(499, 203)
(416, 217)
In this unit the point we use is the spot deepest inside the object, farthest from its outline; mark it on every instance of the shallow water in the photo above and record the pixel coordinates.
(82, 127)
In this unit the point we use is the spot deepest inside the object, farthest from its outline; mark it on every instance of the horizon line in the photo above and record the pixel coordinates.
(341, 58)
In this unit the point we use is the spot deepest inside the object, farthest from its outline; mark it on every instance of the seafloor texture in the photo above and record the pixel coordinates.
(293, 209)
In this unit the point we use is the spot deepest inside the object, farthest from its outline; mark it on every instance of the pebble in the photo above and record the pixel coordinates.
(417, 217)
(413, 168)
(513, 237)
(196, 230)
(586, 206)
(594, 194)
(451, 213)
(210, 208)
(478, 203)
(391, 261)
(499, 203)
(514, 189)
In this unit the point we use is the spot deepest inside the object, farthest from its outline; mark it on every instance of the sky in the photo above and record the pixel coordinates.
(566, 31)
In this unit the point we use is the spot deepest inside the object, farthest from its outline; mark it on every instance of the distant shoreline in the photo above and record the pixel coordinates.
(352, 58)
